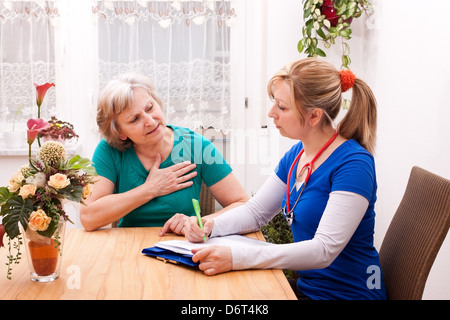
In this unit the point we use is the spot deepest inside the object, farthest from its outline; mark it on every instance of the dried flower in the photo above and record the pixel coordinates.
(26, 171)
(52, 153)
(59, 129)
(39, 179)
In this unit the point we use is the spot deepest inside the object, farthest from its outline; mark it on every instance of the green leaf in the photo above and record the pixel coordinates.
(321, 33)
(345, 33)
(306, 13)
(4, 195)
(300, 46)
(345, 104)
(308, 30)
(345, 61)
(346, 47)
(79, 163)
(320, 52)
(340, 10)
(316, 25)
(307, 5)
(18, 210)
(72, 193)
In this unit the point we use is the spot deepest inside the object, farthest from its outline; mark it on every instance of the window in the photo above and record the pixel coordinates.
(27, 56)
(184, 46)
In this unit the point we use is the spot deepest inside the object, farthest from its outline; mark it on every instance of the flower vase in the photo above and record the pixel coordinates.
(45, 254)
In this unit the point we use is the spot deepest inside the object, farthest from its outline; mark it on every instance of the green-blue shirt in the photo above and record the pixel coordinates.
(127, 172)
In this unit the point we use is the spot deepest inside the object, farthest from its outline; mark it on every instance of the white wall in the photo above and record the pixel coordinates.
(402, 53)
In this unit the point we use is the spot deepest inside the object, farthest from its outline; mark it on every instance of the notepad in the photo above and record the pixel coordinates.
(185, 247)
(179, 251)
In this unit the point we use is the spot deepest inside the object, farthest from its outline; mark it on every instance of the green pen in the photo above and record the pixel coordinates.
(197, 212)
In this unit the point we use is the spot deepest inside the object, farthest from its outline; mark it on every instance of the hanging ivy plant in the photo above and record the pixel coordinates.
(328, 20)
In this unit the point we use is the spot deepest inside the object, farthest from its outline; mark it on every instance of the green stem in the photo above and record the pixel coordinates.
(38, 136)
(29, 157)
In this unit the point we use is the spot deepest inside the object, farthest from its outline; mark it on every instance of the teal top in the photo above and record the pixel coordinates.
(127, 172)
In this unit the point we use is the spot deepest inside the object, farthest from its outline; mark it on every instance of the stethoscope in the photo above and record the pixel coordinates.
(287, 211)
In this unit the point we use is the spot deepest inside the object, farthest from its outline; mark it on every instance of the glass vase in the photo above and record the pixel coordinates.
(45, 254)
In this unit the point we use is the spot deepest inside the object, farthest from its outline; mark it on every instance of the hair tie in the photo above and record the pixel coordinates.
(347, 79)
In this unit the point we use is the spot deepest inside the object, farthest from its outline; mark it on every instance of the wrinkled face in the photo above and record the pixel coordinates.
(283, 113)
(143, 122)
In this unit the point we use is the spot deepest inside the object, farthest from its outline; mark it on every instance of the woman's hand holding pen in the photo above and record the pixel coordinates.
(194, 233)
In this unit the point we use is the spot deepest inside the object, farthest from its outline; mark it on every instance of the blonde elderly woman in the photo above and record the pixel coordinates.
(149, 171)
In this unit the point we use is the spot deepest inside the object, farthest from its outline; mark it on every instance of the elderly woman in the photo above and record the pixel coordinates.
(150, 171)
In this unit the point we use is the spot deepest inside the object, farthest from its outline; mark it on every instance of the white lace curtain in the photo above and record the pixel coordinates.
(27, 56)
(183, 46)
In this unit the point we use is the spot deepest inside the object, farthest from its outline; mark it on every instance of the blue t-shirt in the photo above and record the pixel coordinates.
(356, 272)
(127, 172)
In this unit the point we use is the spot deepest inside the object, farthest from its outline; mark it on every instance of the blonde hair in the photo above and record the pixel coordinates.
(315, 83)
(115, 97)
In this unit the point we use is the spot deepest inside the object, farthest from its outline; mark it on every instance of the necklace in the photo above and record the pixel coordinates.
(287, 211)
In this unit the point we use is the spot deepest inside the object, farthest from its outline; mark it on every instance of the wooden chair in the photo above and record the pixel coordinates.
(415, 235)
(207, 203)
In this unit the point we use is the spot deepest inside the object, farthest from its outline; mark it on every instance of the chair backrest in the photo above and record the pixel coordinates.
(415, 235)
(207, 203)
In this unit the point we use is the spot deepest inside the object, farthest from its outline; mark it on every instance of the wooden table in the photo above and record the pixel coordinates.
(108, 264)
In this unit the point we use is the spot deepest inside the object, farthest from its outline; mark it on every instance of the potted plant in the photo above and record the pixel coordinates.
(328, 20)
(58, 131)
(14, 139)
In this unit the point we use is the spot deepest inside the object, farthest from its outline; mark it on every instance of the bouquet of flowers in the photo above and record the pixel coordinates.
(36, 192)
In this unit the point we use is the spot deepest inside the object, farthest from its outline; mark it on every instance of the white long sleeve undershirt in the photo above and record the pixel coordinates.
(340, 219)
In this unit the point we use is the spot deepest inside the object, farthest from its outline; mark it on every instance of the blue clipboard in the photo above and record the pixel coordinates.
(170, 256)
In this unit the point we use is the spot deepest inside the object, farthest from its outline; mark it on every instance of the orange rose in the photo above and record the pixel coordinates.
(38, 220)
(58, 181)
(27, 191)
(15, 182)
(87, 190)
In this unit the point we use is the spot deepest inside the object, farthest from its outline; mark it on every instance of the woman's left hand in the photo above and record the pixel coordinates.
(213, 259)
(175, 224)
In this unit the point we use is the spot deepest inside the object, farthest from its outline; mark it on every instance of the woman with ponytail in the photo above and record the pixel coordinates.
(325, 185)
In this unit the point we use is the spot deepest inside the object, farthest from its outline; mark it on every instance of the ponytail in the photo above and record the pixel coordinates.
(360, 122)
